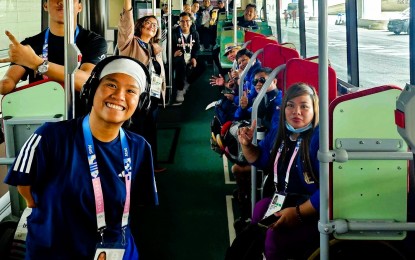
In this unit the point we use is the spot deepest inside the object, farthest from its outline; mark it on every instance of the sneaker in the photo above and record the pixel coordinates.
(180, 96)
(186, 87)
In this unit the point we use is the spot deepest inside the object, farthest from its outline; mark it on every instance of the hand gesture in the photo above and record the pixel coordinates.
(243, 102)
(193, 62)
(246, 134)
(234, 74)
(20, 54)
(178, 53)
(217, 81)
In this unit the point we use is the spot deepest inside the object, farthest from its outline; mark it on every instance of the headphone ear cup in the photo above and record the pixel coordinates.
(88, 92)
(144, 102)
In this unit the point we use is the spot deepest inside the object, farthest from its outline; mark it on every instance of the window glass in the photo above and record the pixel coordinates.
(384, 44)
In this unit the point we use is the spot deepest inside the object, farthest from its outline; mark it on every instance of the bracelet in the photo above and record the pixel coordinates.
(299, 216)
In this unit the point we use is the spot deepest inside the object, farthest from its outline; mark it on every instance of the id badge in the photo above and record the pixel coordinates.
(276, 204)
(21, 231)
(109, 251)
(156, 83)
(187, 57)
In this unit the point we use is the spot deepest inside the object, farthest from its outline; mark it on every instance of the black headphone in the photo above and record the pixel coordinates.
(90, 87)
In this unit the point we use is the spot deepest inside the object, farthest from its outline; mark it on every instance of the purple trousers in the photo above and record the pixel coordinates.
(283, 243)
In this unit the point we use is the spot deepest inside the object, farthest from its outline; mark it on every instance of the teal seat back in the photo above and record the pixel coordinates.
(36, 100)
(24, 110)
(368, 190)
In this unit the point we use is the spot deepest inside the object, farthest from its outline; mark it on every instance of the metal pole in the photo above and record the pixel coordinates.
(301, 21)
(412, 43)
(352, 43)
(278, 20)
(170, 48)
(235, 26)
(324, 129)
(71, 59)
(154, 7)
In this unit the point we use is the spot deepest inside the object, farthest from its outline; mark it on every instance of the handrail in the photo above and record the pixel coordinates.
(245, 71)
(254, 116)
(71, 60)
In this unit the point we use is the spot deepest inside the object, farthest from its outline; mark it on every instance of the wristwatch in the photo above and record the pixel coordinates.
(43, 68)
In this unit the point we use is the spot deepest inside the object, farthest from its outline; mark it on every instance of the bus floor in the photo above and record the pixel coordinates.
(195, 218)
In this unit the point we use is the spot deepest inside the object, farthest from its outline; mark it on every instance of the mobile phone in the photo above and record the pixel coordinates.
(227, 91)
(271, 219)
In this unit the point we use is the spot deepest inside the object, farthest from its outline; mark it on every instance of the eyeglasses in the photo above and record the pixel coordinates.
(185, 21)
(154, 25)
(261, 79)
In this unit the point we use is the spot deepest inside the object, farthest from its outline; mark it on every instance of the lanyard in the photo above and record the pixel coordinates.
(144, 46)
(287, 175)
(96, 183)
(45, 49)
(184, 43)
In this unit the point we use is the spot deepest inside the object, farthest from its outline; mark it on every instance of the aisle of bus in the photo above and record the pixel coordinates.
(191, 221)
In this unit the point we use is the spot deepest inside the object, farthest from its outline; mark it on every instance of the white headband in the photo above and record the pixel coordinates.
(126, 66)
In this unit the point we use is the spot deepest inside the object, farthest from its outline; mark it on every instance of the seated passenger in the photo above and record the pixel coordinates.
(221, 7)
(185, 48)
(243, 57)
(196, 18)
(268, 117)
(187, 8)
(42, 56)
(247, 20)
(207, 36)
(226, 107)
(230, 52)
(77, 165)
(295, 229)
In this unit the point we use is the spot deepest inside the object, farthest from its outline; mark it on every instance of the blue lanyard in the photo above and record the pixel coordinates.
(45, 49)
(150, 60)
(96, 183)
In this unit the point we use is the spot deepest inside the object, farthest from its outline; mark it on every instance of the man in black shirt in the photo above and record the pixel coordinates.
(42, 56)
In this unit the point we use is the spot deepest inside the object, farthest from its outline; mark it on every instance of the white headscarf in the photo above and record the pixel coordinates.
(126, 66)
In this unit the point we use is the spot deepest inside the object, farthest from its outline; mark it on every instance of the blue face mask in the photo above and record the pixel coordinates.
(298, 130)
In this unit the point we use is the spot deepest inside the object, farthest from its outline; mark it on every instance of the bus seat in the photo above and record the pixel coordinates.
(29, 100)
(221, 17)
(249, 35)
(315, 59)
(264, 29)
(299, 70)
(259, 43)
(288, 45)
(275, 55)
(24, 110)
(368, 191)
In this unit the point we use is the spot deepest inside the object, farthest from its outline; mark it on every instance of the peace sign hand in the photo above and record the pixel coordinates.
(20, 54)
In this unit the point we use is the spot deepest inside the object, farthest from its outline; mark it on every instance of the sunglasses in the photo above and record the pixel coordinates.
(261, 79)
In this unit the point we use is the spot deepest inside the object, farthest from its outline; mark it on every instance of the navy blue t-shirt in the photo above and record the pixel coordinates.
(92, 46)
(54, 163)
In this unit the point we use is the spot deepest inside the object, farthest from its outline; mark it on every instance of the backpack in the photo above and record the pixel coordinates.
(249, 244)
